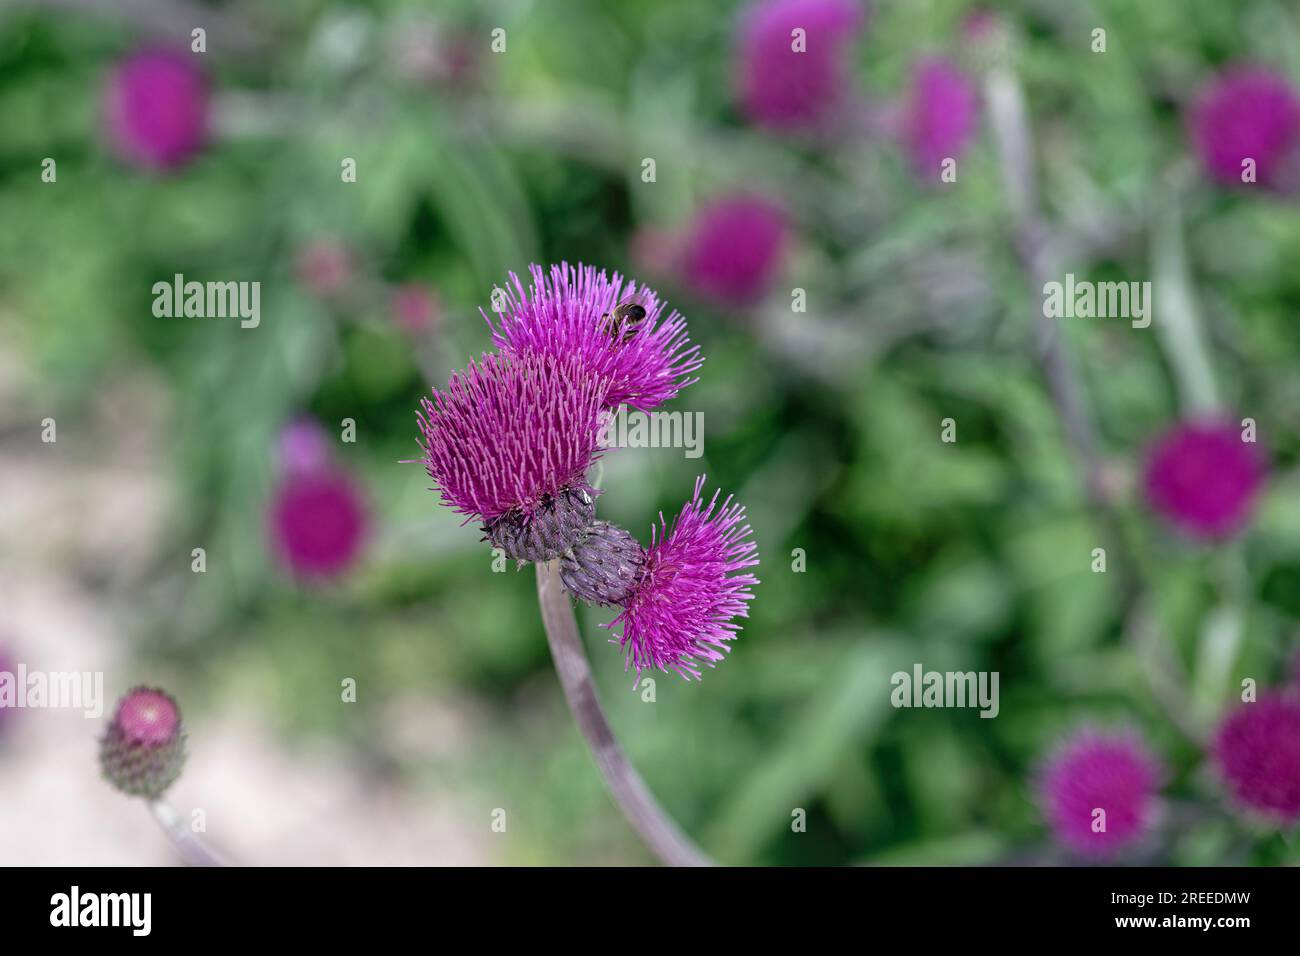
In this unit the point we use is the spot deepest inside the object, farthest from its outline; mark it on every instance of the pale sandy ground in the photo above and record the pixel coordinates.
(265, 802)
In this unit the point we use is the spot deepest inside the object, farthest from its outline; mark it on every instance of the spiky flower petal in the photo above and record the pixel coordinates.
(512, 433)
(570, 313)
(681, 614)
(143, 749)
(1257, 749)
(1095, 771)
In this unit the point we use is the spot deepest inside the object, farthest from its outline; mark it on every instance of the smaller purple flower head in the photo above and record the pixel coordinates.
(1248, 112)
(733, 249)
(156, 108)
(1257, 750)
(318, 523)
(1203, 478)
(680, 614)
(325, 267)
(414, 308)
(614, 331)
(939, 120)
(509, 442)
(791, 73)
(1094, 771)
(143, 749)
(303, 446)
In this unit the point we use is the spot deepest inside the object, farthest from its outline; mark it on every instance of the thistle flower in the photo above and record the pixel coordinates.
(1257, 750)
(156, 107)
(788, 87)
(1093, 771)
(1247, 112)
(734, 249)
(143, 749)
(414, 308)
(1203, 478)
(571, 314)
(680, 614)
(317, 522)
(510, 442)
(324, 267)
(940, 117)
(303, 446)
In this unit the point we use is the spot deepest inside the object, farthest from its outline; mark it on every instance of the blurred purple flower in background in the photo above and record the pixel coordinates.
(415, 308)
(1257, 750)
(156, 109)
(939, 119)
(1247, 112)
(734, 249)
(325, 267)
(679, 617)
(570, 315)
(786, 88)
(317, 518)
(1092, 771)
(1202, 478)
(304, 446)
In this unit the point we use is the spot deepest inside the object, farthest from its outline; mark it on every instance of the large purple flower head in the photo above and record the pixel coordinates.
(1257, 750)
(509, 442)
(733, 249)
(1094, 771)
(1248, 112)
(796, 82)
(573, 313)
(940, 115)
(156, 109)
(1203, 478)
(680, 614)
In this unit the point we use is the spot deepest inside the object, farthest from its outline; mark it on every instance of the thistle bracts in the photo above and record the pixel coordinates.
(143, 749)
(604, 567)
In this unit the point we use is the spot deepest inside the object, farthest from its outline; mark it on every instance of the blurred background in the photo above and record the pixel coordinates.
(848, 299)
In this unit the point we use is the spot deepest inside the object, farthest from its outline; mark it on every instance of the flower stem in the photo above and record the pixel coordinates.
(663, 837)
(187, 844)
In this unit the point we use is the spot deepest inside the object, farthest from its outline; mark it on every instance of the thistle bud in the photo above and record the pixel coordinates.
(143, 750)
(603, 567)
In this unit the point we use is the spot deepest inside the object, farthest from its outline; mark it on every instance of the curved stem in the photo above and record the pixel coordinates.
(664, 838)
(187, 844)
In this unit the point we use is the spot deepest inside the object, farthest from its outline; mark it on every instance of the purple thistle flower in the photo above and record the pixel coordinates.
(940, 117)
(143, 749)
(156, 109)
(1257, 750)
(510, 442)
(1094, 771)
(303, 446)
(679, 616)
(1247, 112)
(317, 522)
(571, 314)
(734, 249)
(792, 90)
(1203, 478)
